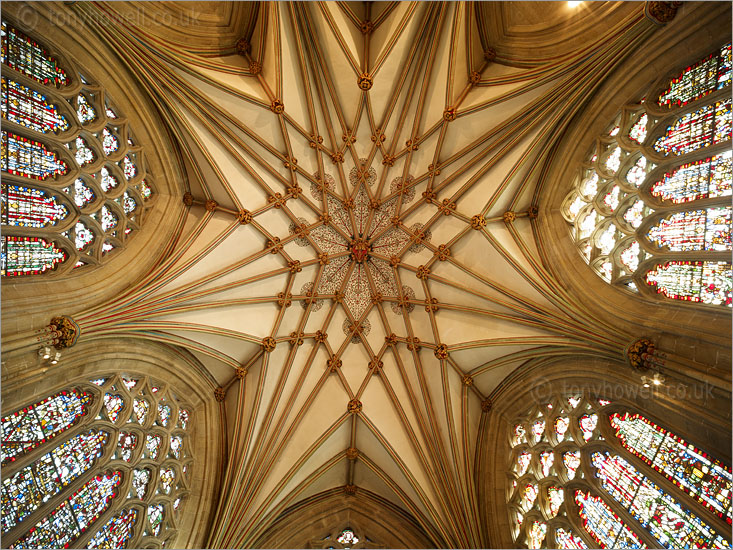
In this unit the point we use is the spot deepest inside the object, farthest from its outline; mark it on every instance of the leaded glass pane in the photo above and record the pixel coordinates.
(30, 159)
(83, 195)
(710, 177)
(571, 460)
(29, 427)
(536, 536)
(705, 76)
(30, 108)
(113, 404)
(603, 525)
(566, 539)
(110, 143)
(555, 498)
(706, 126)
(140, 479)
(23, 54)
(705, 282)
(84, 155)
(116, 533)
(29, 207)
(155, 517)
(84, 110)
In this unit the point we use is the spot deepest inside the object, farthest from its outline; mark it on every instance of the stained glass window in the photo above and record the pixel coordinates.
(523, 461)
(561, 427)
(706, 282)
(637, 172)
(638, 130)
(671, 524)
(109, 220)
(710, 177)
(566, 539)
(529, 495)
(84, 155)
(129, 205)
(83, 195)
(129, 168)
(691, 469)
(126, 445)
(145, 190)
(82, 235)
(164, 414)
(24, 491)
(630, 256)
(546, 460)
(573, 401)
(29, 207)
(603, 525)
(26, 56)
(27, 158)
(571, 460)
(36, 424)
(155, 517)
(84, 110)
(536, 535)
(167, 477)
(129, 383)
(30, 108)
(28, 256)
(519, 434)
(611, 198)
(706, 126)
(116, 532)
(613, 161)
(140, 410)
(347, 538)
(152, 444)
(707, 75)
(73, 516)
(110, 143)
(555, 498)
(140, 479)
(694, 230)
(538, 429)
(588, 423)
(113, 404)
(176, 446)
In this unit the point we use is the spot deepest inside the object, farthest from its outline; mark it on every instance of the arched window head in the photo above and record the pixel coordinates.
(650, 210)
(347, 538)
(105, 464)
(75, 186)
(587, 472)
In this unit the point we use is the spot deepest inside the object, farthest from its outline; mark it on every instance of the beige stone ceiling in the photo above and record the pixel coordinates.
(429, 296)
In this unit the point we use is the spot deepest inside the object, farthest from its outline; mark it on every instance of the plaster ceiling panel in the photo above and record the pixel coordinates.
(486, 383)
(535, 32)
(218, 371)
(228, 89)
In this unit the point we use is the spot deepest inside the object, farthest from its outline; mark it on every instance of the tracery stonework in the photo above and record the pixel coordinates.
(359, 240)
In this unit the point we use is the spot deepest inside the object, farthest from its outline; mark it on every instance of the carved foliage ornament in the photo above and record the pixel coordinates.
(68, 330)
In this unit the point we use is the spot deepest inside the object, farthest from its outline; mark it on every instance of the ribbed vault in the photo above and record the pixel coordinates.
(359, 269)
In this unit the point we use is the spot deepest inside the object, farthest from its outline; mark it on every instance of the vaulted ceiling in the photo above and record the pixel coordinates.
(359, 267)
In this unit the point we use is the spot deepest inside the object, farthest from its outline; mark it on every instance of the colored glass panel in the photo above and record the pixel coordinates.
(128, 167)
(705, 76)
(588, 423)
(29, 207)
(523, 461)
(155, 517)
(613, 161)
(566, 539)
(561, 427)
(84, 110)
(145, 190)
(589, 188)
(28, 256)
(83, 195)
(140, 409)
(694, 230)
(109, 220)
(30, 159)
(140, 479)
(82, 235)
(611, 198)
(546, 460)
(73, 516)
(607, 239)
(26, 56)
(636, 174)
(164, 414)
(116, 533)
(704, 478)
(30, 108)
(176, 446)
(33, 425)
(555, 498)
(603, 525)
(519, 434)
(126, 445)
(571, 461)
(347, 538)
(167, 477)
(113, 404)
(706, 126)
(538, 429)
(671, 524)
(128, 204)
(129, 383)
(536, 535)
(576, 206)
(27, 489)
(588, 224)
(630, 256)
(529, 495)
(110, 143)
(84, 155)
(638, 130)
(710, 177)
(705, 282)
(573, 402)
(152, 445)
(107, 181)
(634, 215)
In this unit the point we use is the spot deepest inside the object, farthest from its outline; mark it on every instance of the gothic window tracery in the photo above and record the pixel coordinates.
(616, 480)
(75, 187)
(650, 211)
(79, 470)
